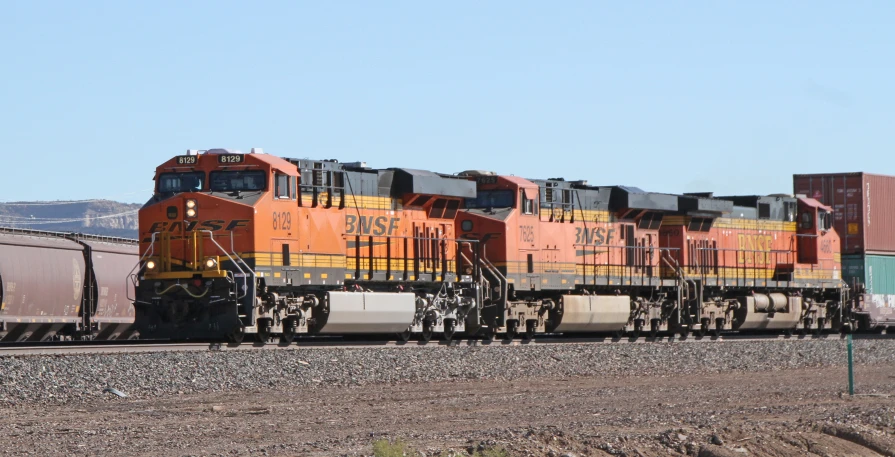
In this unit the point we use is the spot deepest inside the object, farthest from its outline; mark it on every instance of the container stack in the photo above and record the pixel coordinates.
(864, 216)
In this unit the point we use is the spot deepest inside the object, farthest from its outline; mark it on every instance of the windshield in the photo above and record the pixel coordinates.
(228, 181)
(491, 199)
(191, 181)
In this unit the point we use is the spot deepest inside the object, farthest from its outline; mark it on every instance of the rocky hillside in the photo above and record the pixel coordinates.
(97, 217)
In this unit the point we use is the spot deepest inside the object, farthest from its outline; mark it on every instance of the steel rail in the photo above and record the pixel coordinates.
(30, 349)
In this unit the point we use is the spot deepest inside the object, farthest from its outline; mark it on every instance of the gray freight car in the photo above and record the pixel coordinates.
(56, 286)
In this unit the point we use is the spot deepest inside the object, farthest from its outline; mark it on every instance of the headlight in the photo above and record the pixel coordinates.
(211, 262)
(191, 208)
(150, 265)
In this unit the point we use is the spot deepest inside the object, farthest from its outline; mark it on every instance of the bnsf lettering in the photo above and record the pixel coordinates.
(597, 236)
(371, 225)
(214, 225)
(754, 249)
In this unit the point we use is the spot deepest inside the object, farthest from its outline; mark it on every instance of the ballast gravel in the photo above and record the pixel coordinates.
(45, 379)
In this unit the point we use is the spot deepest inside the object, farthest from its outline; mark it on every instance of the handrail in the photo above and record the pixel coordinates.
(211, 237)
(150, 251)
(504, 284)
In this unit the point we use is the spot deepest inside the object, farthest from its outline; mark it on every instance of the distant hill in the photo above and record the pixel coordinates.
(97, 217)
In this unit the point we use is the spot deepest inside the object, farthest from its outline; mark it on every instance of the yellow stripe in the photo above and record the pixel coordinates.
(581, 215)
(730, 223)
(354, 201)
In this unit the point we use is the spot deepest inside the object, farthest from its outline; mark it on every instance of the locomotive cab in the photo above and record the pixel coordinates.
(815, 222)
(197, 272)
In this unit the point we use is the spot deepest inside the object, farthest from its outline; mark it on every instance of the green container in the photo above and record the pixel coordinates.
(876, 272)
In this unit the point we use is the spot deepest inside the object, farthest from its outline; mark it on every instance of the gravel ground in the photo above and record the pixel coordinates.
(83, 378)
(755, 399)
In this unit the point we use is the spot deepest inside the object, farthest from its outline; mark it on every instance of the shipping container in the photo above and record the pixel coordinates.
(875, 272)
(863, 208)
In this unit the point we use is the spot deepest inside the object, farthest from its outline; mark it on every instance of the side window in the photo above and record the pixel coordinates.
(764, 211)
(282, 186)
(807, 223)
(528, 204)
(824, 221)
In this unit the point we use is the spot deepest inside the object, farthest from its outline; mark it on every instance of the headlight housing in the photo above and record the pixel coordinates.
(151, 265)
(192, 208)
(211, 263)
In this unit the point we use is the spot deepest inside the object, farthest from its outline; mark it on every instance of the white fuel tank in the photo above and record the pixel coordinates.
(369, 312)
(769, 312)
(594, 313)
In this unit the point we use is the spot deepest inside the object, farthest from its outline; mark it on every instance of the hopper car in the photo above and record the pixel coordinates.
(64, 286)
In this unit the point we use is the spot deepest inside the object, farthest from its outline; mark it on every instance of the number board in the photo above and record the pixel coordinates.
(187, 160)
(487, 179)
(231, 158)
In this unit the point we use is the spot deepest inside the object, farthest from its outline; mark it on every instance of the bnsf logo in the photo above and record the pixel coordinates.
(371, 225)
(214, 225)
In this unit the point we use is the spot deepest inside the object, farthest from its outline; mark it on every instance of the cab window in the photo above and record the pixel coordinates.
(807, 222)
(824, 221)
(191, 181)
(283, 186)
(229, 181)
(528, 204)
(491, 199)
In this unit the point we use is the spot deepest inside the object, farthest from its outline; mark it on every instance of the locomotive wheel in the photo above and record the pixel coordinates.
(263, 335)
(719, 325)
(487, 334)
(530, 327)
(448, 330)
(703, 327)
(426, 335)
(288, 336)
(512, 330)
(653, 328)
(237, 336)
(404, 336)
(618, 334)
(807, 326)
(638, 327)
(820, 326)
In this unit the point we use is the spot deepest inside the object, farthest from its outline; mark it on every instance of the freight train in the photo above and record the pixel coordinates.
(236, 244)
(65, 286)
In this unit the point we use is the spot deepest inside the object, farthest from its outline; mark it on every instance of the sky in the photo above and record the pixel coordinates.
(729, 97)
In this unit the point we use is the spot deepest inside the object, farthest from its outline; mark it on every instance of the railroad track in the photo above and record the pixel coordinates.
(138, 346)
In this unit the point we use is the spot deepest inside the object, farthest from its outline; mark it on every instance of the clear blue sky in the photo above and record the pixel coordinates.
(731, 97)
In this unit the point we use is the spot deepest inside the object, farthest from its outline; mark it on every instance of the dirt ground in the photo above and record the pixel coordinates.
(796, 412)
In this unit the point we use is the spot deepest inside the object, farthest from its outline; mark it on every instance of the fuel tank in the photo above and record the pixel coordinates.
(768, 312)
(368, 312)
(593, 313)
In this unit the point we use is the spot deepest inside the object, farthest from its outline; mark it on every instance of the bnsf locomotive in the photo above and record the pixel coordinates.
(238, 243)
(250, 243)
(569, 257)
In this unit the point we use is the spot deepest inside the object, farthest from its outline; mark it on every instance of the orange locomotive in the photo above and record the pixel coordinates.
(238, 243)
(567, 257)
(756, 263)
